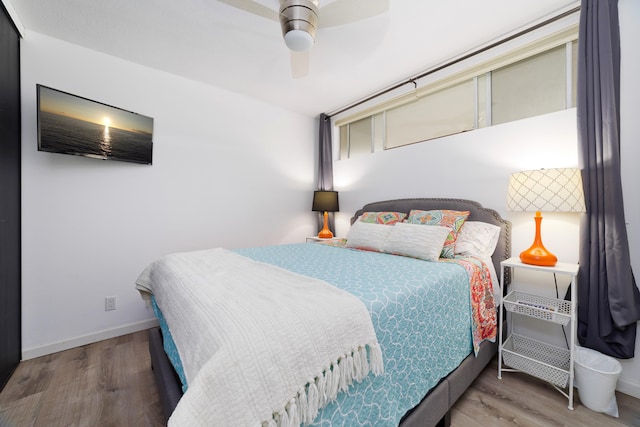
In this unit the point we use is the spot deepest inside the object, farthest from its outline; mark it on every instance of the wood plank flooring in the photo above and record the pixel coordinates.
(110, 383)
(520, 400)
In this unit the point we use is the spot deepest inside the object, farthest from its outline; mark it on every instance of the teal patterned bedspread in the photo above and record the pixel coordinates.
(420, 311)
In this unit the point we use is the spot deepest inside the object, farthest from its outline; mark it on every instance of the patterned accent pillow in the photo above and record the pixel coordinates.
(444, 218)
(386, 218)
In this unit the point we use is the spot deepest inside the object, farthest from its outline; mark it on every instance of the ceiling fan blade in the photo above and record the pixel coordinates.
(254, 8)
(299, 64)
(341, 12)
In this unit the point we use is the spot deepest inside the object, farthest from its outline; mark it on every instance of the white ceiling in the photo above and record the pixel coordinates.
(214, 43)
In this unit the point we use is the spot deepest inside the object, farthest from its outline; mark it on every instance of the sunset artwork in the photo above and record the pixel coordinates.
(70, 124)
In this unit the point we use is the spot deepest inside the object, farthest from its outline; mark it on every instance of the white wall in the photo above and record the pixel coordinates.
(227, 171)
(476, 165)
(629, 11)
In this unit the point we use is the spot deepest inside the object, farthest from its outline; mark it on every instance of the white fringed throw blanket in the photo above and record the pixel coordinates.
(260, 345)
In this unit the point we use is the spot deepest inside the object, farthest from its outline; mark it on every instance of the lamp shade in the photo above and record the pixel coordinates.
(546, 190)
(325, 201)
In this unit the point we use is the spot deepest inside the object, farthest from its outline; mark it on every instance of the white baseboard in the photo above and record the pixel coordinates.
(628, 387)
(33, 352)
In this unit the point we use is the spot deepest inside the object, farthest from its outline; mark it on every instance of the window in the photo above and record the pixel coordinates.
(537, 79)
(437, 114)
(530, 87)
(360, 137)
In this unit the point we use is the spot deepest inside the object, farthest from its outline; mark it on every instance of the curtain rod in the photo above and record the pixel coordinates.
(412, 80)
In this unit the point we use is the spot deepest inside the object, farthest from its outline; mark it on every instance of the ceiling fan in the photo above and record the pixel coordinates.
(300, 20)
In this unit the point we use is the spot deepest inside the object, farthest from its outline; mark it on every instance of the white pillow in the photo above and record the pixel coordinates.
(416, 240)
(363, 235)
(477, 239)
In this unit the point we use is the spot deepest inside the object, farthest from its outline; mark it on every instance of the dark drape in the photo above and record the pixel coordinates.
(608, 299)
(325, 164)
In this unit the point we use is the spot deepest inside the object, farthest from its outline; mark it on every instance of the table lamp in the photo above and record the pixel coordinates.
(325, 201)
(548, 190)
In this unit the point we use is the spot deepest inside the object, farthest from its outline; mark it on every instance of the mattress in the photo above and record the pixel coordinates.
(421, 312)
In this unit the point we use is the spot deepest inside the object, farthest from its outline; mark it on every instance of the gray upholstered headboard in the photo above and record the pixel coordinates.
(477, 213)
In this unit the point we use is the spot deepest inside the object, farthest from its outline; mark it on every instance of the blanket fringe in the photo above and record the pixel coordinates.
(320, 391)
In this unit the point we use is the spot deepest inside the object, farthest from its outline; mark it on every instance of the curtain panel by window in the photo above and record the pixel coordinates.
(608, 299)
(325, 165)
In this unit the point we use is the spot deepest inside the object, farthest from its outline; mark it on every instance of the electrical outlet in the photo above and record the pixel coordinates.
(109, 303)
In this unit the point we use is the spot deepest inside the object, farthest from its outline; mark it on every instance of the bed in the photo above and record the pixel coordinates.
(430, 404)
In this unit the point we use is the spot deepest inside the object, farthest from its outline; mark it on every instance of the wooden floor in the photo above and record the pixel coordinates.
(110, 383)
(520, 400)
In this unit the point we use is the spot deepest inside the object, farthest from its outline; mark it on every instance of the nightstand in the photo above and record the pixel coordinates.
(314, 239)
(523, 354)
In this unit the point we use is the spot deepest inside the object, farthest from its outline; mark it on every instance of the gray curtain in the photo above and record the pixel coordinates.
(325, 165)
(608, 299)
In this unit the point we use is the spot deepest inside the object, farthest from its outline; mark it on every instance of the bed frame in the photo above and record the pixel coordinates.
(434, 408)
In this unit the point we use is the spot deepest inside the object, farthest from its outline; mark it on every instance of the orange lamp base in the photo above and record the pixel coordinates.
(325, 233)
(537, 254)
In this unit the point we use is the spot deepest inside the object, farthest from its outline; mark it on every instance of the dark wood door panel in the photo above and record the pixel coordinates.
(10, 279)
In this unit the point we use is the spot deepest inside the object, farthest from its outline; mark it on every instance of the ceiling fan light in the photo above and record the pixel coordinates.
(298, 21)
(298, 40)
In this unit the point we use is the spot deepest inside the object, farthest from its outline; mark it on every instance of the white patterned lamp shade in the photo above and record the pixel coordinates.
(546, 190)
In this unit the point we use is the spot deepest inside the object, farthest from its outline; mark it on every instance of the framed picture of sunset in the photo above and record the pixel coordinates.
(71, 124)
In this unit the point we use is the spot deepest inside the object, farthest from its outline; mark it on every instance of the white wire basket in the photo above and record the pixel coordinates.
(549, 309)
(541, 360)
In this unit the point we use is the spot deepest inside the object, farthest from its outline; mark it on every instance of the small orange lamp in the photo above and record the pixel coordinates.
(548, 190)
(325, 201)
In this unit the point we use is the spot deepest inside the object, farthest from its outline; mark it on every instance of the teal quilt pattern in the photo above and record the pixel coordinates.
(420, 311)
